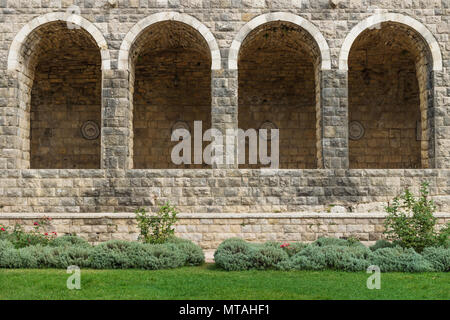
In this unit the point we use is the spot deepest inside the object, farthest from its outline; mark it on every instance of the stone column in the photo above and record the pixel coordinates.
(15, 91)
(440, 121)
(224, 108)
(334, 101)
(117, 120)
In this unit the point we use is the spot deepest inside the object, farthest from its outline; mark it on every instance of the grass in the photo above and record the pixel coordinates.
(208, 282)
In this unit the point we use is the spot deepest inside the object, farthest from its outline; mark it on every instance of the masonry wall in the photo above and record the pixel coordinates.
(384, 98)
(213, 191)
(171, 86)
(66, 94)
(334, 20)
(209, 230)
(277, 85)
(223, 25)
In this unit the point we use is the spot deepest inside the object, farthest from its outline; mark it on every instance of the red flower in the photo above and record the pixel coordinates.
(284, 245)
(3, 229)
(46, 234)
(36, 224)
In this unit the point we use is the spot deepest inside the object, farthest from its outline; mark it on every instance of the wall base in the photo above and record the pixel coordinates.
(209, 230)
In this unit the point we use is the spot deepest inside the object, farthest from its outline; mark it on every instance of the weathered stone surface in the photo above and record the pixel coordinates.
(210, 232)
(135, 68)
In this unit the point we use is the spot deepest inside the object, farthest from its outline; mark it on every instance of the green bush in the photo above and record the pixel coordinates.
(336, 257)
(114, 254)
(5, 244)
(399, 259)
(383, 244)
(68, 241)
(234, 255)
(62, 257)
(322, 242)
(411, 221)
(195, 255)
(439, 257)
(267, 256)
(118, 254)
(10, 259)
(294, 248)
(326, 253)
(157, 228)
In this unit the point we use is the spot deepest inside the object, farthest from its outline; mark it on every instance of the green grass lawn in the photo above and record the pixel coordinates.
(208, 282)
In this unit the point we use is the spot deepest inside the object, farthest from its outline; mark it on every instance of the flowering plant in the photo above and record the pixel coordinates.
(22, 238)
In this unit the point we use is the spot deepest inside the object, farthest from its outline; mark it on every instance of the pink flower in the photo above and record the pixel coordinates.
(284, 245)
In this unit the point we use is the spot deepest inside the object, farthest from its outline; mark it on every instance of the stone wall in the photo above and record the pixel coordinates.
(384, 98)
(209, 230)
(66, 94)
(218, 32)
(213, 191)
(116, 28)
(277, 85)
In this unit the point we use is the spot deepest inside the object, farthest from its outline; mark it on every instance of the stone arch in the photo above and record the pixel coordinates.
(56, 64)
(169, 73)
(391, 107)
(279, 86)
(141, 26)
(322, 44)
(14, 56)
(377, 19)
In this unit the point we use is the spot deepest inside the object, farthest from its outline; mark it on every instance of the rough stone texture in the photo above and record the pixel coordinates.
(66, 93)
(384, 97)
(277, 84)
(220, 22)
(172, 83)
(122, 34)
(213, 191)
(210, 230)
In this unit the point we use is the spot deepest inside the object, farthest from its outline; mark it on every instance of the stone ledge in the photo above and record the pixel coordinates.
(370, 215)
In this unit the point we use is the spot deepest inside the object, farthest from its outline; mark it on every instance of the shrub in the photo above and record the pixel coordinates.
(399, 259)
(444, 236)
(22, 239)
(118, 254)
(194, 254)
(156, 228)
(167, 256)
(68, 241)
(322, 242)
(383, 244)
(293, 248)
(114, 254)
(438, 257)
(411, 222)
(267, 256)
(65, 256)
(234, 255)
(5, 245)
(10, 258)
(337, 257)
